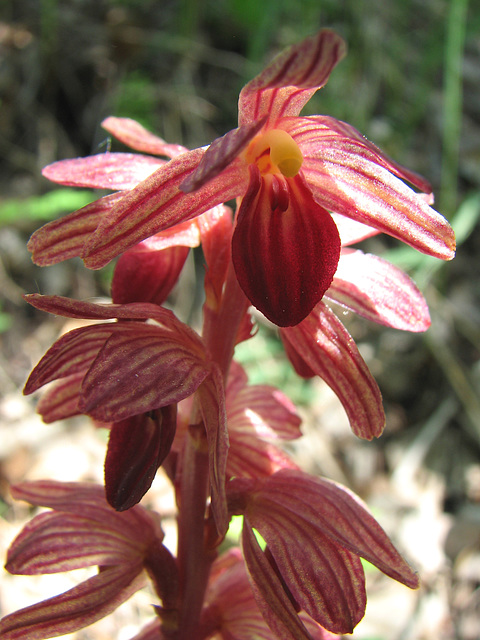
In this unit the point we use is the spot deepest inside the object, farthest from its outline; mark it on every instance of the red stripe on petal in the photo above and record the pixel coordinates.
(65, 238)
(287, 84)
(285, 248)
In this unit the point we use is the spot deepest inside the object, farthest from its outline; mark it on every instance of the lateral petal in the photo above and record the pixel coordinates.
(65, 238)
(279, 218)
(61, 400)
(132, 134)
(348, 179)
(272, 600)
(332, 509)
(290, 80)
(115, 171)
(157, 204)
(139, 370)
(379, 291)
(75, 609)
(325, 346)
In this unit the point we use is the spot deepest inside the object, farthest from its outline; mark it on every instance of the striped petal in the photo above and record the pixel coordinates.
(272, 600)
(220, 154)
(326, 348)
(285, 248)
(139, 369)
(379, 291)
(334, 511)
(61, 400)
(288, 83)
(133, 135)
(347, 178)
(313, 133)
(115, 171)
(75, 609)
(157, 204)
(324, 579)
(55, 542)
(211, 398)
(65, 238)
(137, 526)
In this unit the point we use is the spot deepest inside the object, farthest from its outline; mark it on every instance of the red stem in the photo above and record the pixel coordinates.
(195, 554)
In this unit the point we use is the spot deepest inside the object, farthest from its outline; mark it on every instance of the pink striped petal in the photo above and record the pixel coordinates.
(379, 291)
(325, 346)
(68, 308)
(263, 410)
(75, 609)
(285, 248)
(137, 447)
(115, 171)
(137, 525)
(158, 204)
(348, 179)
(333, 510)
(61, 400)
(133, 135)
(314, 133)
(139, 369)
(71, 355)
(325, 580)
(288, 83)
(65, 238)
(54, 542)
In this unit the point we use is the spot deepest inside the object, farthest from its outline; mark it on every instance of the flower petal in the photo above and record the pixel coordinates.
(379, 291)
(61, 400)
(272, 600)
(65, 238)
(334, 511)
(72, 354)
(55, 542)
(132, 134)
(137, 447)
(348, 179)
(143, 275)
(75, 609)
(313, 133)
(288, 83)
(285, 248)
(157, 204)
(139, 370)
(115, 171)
(327, 349)
(137, 526)
(326, 580)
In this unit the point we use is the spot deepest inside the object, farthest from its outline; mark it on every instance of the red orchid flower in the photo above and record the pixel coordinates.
(315, 531)
(82, 530)
(289, 172)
